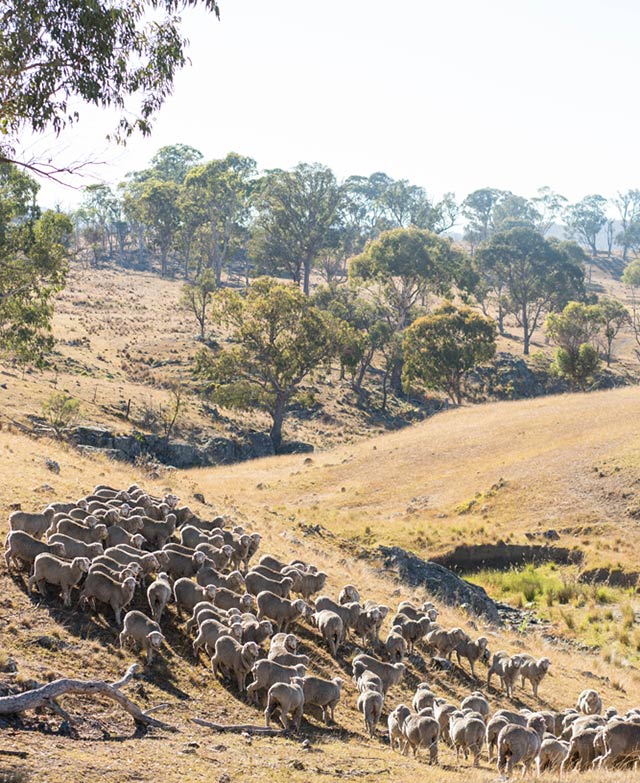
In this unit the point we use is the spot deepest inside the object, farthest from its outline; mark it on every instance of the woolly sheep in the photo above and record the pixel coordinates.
(395, 722)
(423, 698)
(589, 702)
(103, 588)
(421, 731)
(473, 651)
(467, 734)
(348, 595)
(140, 628)
(210, 630)
(207, 575)
(348, 613)
(445, 642)
(227, 599)
(533, 670)
(187, 594)
(159, 595)
(389, 673)
(477, 702)
(581, 752)
(324, 694)
(282, 611)
(48, 569)
(330, 626)
(233, 657)
(620, 740)
(183, 565)
(34, 524)
(75, 548)
(257, 583)
(288, 698)
(267, 673)
(370, 705)
(551, 755)
(21, 548)
(519, 745)
(369, 681)
(395, 645)
(95, 534)
(506, 667)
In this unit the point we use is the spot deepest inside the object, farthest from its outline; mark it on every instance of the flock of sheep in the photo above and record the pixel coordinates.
(114, 544)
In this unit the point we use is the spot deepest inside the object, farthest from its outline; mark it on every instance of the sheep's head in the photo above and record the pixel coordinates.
(198, 558)
(155, 639)
(210, 592)
(236, 631)
(246, 601)
(543, 664)
(81, 563)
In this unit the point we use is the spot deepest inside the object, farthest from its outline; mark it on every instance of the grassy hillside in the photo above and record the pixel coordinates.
(567, 463)
(122, 340)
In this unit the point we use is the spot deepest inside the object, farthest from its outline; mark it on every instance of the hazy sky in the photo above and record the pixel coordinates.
(453, 95)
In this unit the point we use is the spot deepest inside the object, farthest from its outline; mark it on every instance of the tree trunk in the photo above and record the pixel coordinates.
(277, 415)
(396, 377)
(307, 275)
(45, 695)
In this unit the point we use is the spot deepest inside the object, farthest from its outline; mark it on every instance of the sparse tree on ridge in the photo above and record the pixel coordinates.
(585, 220)
(299, 213)
(440, 349)
(613, 316)
(196, 298)
(537, 275)
(278, 338)
(574, 331)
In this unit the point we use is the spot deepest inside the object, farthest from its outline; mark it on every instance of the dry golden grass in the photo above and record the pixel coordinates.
(546, 452)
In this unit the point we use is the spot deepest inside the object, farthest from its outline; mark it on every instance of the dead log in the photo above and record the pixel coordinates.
(250, 728)
(46, 695)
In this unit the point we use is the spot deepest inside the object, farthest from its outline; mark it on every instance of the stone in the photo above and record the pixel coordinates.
(439, 581)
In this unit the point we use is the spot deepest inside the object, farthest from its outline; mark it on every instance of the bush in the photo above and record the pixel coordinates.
(61, 411)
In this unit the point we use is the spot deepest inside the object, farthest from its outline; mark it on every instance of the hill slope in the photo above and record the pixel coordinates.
(409, 488)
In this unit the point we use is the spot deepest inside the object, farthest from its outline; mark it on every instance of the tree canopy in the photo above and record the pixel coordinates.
(534, 275)
(33, 256)
(278, 337)
(58, 54)
(440, 349)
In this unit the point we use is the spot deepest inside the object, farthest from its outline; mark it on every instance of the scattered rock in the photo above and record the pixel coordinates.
(199, 497)
(439, 581)
(15, 506)
(10, 667)
(52, 465)
(45, 488)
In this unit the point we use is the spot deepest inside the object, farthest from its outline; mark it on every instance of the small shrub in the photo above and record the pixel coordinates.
(60, 411)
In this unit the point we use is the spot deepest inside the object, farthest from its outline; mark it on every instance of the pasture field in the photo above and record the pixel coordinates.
(568, 463)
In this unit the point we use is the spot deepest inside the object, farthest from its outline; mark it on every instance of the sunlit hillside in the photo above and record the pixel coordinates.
(568, 463)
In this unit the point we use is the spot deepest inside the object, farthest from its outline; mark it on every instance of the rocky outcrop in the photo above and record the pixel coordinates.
(440, 582)
(180, 454)
(468, 558)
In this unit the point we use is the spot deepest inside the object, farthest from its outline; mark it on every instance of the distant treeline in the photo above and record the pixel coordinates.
(187, 215)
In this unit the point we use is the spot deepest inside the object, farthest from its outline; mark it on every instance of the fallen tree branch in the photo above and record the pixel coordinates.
(238, 727)
(45, 695)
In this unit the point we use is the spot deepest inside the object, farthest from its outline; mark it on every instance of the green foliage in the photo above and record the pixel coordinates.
(196, 298)
(631, 274)
(60, 411)
(440, 349)
(54, 52)
(532, 275)
(613, 316)
(401, 265)
(154, 203)
(298, 218)
(215, 206)
(586, 219)
(33, 256)
(573, 331)
(363, 329)
(278, 338)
